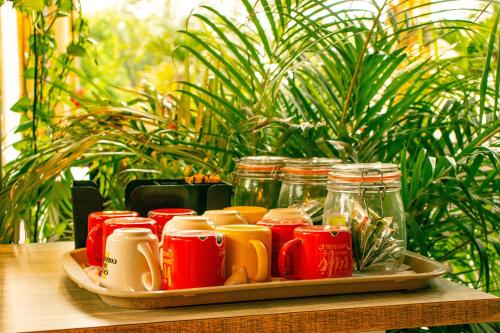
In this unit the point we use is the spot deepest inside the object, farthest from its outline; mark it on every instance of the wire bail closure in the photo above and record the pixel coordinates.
(381, 189)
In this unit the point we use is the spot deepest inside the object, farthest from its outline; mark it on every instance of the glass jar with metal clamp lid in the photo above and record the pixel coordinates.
(258, 181)
(366, 197)
(304, 185)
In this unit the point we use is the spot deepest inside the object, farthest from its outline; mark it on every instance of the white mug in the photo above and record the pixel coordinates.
(131, 261)
(185, 222)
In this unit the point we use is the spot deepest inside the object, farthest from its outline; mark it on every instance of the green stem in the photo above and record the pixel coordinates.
(35, 88)
(357, 70)
(487, 72)
(34, 120)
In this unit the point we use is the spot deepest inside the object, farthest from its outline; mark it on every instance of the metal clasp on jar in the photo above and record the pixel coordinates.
(381, 188)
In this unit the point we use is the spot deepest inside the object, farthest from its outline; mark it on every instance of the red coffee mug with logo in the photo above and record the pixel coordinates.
(112, 224)
(317, 252)
(94, 236)
(282, 232)
(193, 259)
(163, 215)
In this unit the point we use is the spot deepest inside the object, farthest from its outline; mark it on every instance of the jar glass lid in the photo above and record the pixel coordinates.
(364, 172)
(313, 165)
(261, 163)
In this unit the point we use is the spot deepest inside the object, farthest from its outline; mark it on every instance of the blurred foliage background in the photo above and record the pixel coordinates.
(410, 82)
(137, 49)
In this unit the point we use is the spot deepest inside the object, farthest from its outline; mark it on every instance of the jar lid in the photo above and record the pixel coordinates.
(365, 172)
(261, 163)
(309, 166)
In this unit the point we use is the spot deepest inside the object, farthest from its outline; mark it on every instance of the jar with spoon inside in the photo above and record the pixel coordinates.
(366, 197)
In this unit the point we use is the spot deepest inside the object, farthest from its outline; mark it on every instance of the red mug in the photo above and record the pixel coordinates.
(193, 259)
(112, 224)
(282, 232)
(163, 215)
(317, 252)
(94, 236)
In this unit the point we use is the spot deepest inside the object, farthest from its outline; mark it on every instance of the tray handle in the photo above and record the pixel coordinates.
(76, 273)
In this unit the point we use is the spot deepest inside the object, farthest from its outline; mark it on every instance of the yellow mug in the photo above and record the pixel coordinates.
(252, 214)
(248, 246)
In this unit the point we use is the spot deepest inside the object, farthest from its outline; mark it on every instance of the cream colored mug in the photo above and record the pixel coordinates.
(178, 223)
(131, 261)
(185, 222)
(224, 217)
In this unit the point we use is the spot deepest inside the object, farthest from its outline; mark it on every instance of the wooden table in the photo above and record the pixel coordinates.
(37, 296)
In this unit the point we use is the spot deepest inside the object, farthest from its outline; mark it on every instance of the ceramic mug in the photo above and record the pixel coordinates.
(112, 224)
(193, 259)
(131, 262)
(251, 214)
(282, 232)
(317, 252)
(225, 217)
(178, 223)
(163, 215)
(94, 245)
(288, 214)
(248, 246)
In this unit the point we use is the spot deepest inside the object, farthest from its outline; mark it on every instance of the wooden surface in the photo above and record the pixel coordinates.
(37, 296)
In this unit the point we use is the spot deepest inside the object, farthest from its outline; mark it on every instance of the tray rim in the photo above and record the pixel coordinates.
(76, 273)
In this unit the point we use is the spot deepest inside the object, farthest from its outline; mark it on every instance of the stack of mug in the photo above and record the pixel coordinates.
(175, 249)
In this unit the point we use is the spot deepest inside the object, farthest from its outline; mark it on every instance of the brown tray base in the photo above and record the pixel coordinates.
(422, 269)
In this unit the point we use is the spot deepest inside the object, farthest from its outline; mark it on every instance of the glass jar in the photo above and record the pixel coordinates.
(366, 197)
(304, 185)
(257, 181)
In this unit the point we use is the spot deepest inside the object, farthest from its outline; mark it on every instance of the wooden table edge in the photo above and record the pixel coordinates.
(379, 318)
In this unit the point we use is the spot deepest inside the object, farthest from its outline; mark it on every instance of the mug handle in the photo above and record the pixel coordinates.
(154, 267)
(91, 240)
(262, 261)
(160, 249)
(284, 251)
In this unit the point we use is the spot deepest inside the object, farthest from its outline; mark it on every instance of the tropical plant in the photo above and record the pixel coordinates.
(52, 136)
(316, 78)
(354, 79)
(46, 73)
(310, 79)
(114, 143)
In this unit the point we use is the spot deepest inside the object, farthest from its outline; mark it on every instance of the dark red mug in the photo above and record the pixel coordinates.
(317, 252)
(163, 215)
(193, 259)
(282, 232)
(112, 224)
(94, 236)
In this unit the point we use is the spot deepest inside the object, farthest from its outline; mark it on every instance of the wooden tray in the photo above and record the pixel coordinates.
(421, 270)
